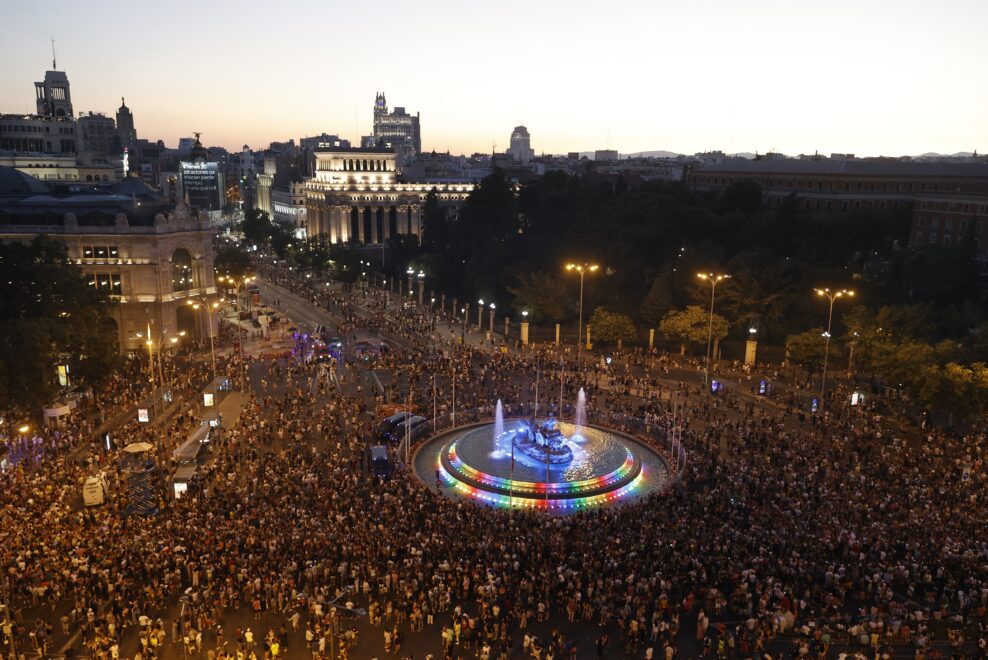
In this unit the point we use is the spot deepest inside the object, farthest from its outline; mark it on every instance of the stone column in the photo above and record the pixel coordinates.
(416, 221)
(373, 217)
(386, 223)
(360, 224)
(343, 220)
(402, 219)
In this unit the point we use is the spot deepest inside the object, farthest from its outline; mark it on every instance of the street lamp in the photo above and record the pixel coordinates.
(411, 273)
(421, 277)
(582, 269)
(246, 279)
(480, 313)
(524, 327)
(491, 331)
(832, 296)
(713, 280)
(205, 306)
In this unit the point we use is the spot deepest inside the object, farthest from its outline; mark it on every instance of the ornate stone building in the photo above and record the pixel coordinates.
(150, 256)
(358, 195)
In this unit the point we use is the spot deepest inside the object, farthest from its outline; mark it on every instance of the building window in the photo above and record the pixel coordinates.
(109, 282)
(182, 279)
(948, 224)
(919, 238)
(934, 224)
(946, 239)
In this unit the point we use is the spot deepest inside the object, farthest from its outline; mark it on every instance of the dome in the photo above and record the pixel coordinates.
(15, 182)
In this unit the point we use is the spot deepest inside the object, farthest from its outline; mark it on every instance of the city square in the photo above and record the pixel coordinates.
(363, 395)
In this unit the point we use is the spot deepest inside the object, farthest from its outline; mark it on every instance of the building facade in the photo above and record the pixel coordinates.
(53, 97)
(948, 219)
(149, 255)
(397, 128)
(288, 206)
(98, 138)
(357, 195)
(843, 185)
(521, 145)
(125, 124)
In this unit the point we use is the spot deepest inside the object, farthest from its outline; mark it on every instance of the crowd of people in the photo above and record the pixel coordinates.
(803, 537)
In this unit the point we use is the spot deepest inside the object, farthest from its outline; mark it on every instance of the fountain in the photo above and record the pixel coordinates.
(580, 419)
(544, 443)
(498, 427)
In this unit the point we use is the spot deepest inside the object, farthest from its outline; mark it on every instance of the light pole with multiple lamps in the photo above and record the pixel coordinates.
(713, 280)
(832, 296)
(201, 304)
(582, 269)
(246, 279)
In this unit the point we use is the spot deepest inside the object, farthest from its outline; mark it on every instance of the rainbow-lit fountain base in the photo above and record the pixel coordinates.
(608, 467)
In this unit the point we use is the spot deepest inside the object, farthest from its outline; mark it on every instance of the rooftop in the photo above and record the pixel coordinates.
(860, 167)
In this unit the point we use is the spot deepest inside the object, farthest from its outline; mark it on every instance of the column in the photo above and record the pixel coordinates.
(386, 223)
(373, 224)
(360, 225)
(401, 221)
(416, 221)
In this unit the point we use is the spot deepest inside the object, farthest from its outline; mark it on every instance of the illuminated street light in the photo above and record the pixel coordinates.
(832, 296)
(582, 269)
(712, 279)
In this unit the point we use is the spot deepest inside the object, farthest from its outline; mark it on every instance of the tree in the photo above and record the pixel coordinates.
(692, 326)
(807, 348)
(256, 226)
(744, 196)
(435, 224)
(609, 327)
(960, 391)
(282, 238)
(541, 294)
(232, 261)
(49, 315)
(659, 300)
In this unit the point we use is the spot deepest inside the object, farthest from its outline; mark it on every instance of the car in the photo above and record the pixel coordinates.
(389, 424)
(417, 427)
(380, 464)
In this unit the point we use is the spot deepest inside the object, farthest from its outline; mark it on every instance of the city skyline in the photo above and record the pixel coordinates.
(883, 79)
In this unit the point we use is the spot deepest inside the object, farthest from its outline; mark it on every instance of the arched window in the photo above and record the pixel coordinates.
(182, 276)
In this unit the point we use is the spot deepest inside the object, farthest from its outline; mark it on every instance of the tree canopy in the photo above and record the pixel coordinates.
(49, 315)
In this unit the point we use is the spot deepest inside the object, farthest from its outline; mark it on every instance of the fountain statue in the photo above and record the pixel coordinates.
(544, 443)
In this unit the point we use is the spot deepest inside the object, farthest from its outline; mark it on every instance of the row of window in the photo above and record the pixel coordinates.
(948, 224)
(828, 204)
(947, 239)
(24, 128)
(100, 252)
(955, 207)
(108, 281)
(848, 186)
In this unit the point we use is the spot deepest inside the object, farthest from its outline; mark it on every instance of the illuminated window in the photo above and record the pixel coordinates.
(182, 270)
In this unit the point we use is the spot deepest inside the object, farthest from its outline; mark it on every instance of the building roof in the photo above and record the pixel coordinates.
(355, 150)
(856, 167)
(13, 182)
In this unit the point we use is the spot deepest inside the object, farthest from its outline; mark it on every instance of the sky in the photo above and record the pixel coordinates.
(869, 77)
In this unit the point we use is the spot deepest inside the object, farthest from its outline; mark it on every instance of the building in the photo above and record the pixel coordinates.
(38, 134)
(843, 185)
(288, 204)
(265, 179)
(948, 219)
(52, 168)
(125, 124)
(150, 256)
(358, 195)
(605, 155)
(521, 145)
(54, 98)
(201, 180)
(98, 139)
(398, 129)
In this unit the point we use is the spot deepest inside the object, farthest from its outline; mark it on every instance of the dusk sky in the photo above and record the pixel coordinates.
(871, 77)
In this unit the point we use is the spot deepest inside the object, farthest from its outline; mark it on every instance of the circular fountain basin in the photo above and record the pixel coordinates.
(607, 467)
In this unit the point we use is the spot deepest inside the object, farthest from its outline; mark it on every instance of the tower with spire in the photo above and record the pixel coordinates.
(125, 124)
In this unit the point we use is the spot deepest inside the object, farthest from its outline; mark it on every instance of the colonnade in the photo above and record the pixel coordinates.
(364, 223)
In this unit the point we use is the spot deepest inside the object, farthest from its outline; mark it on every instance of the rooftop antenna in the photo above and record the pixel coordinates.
(54, 67)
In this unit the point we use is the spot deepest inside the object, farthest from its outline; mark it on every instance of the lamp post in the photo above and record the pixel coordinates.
(751, 346)
(463, 327)
(480, 313)
(582, 269)
(832, 296)
(490, 332)
(524, 327)
(421, 278)
(206, 306)
(411, 273)
(713, 280)
(246, 279)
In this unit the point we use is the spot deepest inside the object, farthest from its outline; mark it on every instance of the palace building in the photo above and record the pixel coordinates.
(357, 194)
